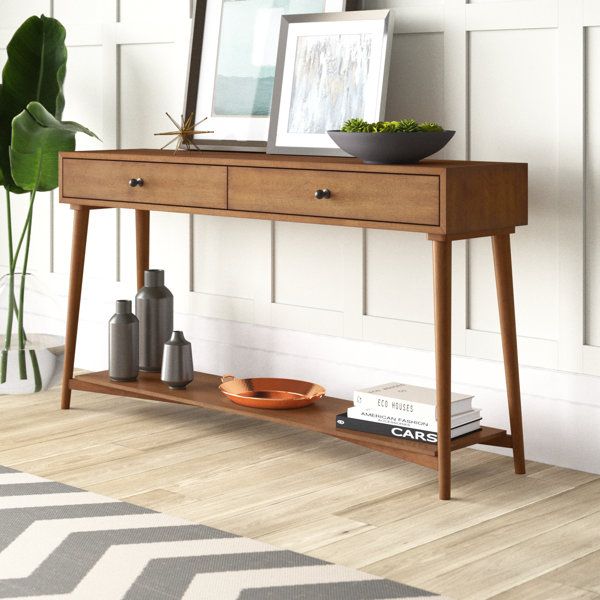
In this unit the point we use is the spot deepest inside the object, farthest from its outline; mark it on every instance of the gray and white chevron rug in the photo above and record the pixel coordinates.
(57, 541)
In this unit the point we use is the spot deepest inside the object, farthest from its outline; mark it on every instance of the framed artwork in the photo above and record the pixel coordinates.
(330, 67)
(232, 66)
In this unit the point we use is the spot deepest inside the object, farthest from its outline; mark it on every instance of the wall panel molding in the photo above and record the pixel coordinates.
(591, 13)
(571, 184)
(519, 14)
(436, 36)
(456, 116)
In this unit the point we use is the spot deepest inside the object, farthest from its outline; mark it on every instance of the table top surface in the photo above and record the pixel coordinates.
(260, 159)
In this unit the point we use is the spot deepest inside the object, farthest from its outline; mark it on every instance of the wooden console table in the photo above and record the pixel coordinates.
(447, 200)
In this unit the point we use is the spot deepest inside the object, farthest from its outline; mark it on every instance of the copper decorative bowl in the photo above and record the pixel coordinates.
(271, 393)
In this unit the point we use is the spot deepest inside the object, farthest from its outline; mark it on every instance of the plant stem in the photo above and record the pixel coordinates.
(37, 376)
(9, 227)
(9, 325)
(28, 227)
(13, 267)
(23, 234)
(11, 296)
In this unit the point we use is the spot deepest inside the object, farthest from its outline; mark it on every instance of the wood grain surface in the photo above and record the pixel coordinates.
(532, 537)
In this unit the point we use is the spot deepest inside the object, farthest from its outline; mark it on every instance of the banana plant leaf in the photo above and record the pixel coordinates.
(35, 70)
(37, 138)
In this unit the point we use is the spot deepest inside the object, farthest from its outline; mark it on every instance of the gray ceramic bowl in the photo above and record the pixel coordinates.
(391, 147)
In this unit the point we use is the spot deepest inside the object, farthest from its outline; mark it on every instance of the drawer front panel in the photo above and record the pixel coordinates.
(164, 183)
(364, 196)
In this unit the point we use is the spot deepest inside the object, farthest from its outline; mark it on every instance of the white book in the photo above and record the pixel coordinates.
(376, 416)
(409, 401)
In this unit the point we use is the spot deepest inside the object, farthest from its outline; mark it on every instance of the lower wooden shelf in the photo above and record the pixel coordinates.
(203, 392)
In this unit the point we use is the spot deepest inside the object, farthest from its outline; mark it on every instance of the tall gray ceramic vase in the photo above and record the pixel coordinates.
(123, 343)
(154, 309)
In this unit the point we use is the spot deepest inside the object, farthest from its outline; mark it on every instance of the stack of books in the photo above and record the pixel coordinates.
(408, 412)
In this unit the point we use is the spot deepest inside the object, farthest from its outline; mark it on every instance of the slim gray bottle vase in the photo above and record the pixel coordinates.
(154, 309)
(177, 365)
(123, 343)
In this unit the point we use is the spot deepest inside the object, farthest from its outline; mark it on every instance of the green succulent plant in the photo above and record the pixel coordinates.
(430, 126)
(357, 125)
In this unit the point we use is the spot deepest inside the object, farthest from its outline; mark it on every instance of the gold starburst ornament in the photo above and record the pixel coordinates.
(185, 132)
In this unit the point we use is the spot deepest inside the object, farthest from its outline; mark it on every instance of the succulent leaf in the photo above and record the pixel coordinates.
(358, 125)
(430, 126)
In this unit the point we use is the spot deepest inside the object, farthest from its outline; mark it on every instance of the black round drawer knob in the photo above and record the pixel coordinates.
(324, 193)
(137, 182)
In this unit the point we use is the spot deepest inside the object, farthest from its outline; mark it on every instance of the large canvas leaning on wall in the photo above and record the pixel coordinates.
(232, 64)
(330, 68)
(245, 66)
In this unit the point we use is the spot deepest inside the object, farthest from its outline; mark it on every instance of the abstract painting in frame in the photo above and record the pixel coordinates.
(232, 66)
(330, 67)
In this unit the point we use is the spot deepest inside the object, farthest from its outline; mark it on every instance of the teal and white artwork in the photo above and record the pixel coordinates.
(238, 62)
(247, 54)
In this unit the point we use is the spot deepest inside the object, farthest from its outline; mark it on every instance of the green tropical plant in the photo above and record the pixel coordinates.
(31, 136)
(357, 125)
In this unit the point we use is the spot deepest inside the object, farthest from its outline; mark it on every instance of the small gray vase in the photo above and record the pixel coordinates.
(123, 343)
(154, 308)
(177, 366)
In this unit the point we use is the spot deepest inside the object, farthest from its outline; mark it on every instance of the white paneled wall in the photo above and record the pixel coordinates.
(517, 80)
(592, 190)
(512, 80)
(307, 266)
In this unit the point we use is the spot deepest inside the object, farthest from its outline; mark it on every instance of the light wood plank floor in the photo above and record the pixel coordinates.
(504, 536)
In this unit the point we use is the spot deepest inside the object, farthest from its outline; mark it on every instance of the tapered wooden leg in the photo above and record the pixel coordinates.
(142, 244)
(442, 280)
(81, 217)
(506, 308)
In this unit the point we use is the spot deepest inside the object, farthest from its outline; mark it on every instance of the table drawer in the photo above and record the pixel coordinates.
(163, 183)
(365, 196)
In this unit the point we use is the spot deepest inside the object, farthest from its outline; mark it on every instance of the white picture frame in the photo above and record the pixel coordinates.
(330, 67)
(222, 74)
